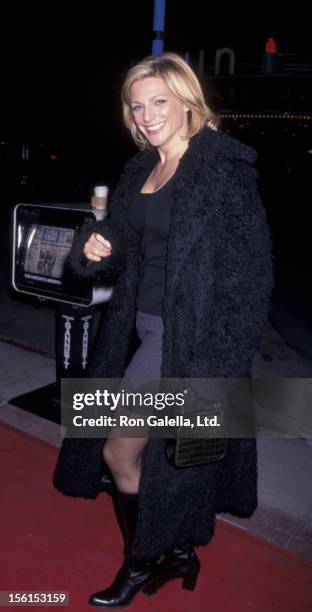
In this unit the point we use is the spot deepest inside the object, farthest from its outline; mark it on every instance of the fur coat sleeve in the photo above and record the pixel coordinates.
(109, 268)
(114, 230)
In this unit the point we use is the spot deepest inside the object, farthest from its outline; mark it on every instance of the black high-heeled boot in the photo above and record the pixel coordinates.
(134, 573)
(177, 563)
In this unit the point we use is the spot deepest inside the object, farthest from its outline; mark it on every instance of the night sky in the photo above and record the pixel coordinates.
(63, 66)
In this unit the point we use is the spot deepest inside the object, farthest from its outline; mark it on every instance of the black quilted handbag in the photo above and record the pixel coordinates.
(184, 451)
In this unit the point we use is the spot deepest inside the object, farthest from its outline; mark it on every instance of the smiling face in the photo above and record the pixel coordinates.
(158, 114)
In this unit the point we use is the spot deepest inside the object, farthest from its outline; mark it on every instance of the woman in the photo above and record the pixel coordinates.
(187, 249)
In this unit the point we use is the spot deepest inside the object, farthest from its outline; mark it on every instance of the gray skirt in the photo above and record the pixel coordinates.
(146, 361)
(144, 370)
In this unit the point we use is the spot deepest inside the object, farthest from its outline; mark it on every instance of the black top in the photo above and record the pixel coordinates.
(149, 215)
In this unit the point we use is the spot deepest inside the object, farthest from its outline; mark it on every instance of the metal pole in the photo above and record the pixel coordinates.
(158, 26)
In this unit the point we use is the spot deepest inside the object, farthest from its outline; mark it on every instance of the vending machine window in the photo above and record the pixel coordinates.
(42, 239)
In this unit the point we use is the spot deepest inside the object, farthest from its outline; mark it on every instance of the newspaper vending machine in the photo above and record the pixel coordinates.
(43, 235)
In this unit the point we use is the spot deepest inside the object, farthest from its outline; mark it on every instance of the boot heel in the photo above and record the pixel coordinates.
(151, 587)
(189, 580)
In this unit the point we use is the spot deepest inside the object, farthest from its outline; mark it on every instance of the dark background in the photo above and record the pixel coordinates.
(61, 70)
(62, 65)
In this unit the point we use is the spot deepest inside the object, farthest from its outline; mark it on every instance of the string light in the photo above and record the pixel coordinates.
(226, 115)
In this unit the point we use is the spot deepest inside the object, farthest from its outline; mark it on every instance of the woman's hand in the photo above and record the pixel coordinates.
(97, 247)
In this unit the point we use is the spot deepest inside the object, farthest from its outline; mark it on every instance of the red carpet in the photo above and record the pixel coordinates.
(51, 542)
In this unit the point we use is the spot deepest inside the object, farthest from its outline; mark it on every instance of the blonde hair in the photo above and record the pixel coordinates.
(182, 82)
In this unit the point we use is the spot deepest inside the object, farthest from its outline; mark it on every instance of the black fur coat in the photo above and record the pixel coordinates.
(218, 288)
